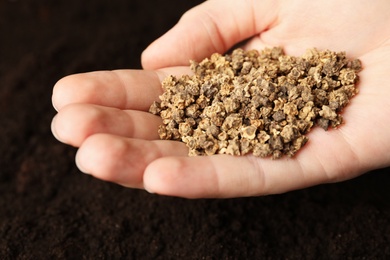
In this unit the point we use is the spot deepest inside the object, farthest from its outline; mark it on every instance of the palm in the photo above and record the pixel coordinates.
(117, 137)
(362, 32)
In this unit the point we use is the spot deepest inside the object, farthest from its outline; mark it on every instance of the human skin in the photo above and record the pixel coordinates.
(105, 114)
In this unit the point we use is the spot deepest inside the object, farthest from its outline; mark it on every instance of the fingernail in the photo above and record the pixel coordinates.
(53, 128)
(80, 165)
(147, 189)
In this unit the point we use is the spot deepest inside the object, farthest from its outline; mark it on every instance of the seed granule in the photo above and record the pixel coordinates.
(262, 103)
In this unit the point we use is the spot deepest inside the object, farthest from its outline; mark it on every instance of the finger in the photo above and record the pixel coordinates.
(230, 176)
(122, 160)
(124, 89)
(76, 122)
(214, 26)
(217, 176)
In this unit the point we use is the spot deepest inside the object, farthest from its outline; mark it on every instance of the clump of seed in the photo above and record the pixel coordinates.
(262, 103)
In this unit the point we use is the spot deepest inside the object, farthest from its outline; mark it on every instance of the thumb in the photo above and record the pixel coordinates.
(213, 26)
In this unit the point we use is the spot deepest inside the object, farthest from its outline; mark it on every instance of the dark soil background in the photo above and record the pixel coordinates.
(49, 210)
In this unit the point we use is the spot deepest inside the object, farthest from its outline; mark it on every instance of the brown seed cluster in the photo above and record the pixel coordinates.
(262, 103)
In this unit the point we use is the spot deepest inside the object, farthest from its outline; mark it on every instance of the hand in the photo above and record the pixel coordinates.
(105, 113)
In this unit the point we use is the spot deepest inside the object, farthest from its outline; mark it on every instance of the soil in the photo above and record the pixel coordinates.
(49, 210)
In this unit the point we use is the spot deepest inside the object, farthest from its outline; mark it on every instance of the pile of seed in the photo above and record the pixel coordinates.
(262, 103)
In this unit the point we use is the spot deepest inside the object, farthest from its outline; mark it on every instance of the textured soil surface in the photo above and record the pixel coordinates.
(49, 210)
